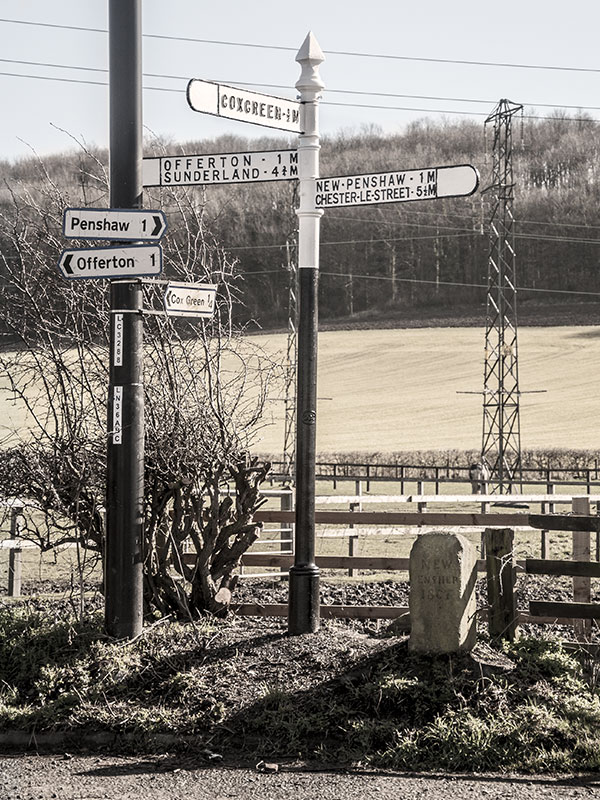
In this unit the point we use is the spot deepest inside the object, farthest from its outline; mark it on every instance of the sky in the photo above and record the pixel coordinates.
(392, 53)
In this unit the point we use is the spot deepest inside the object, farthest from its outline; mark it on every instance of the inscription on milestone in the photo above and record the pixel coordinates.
(434, 582)
(442, 593)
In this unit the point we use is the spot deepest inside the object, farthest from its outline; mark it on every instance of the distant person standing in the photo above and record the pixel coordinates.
(479, 474)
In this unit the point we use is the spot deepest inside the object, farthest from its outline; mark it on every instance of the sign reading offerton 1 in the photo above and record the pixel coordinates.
(195, 170)
(396, 187)
(111, 262)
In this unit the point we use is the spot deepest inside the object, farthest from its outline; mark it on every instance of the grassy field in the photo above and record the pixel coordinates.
(393, 390)
(397, 390)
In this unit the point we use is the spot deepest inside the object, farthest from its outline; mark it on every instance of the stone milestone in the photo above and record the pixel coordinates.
(443, 571)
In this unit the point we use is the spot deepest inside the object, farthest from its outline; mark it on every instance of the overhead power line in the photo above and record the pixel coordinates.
(323, 102)
(436, 98)
(351, 53)
(457, 233)
(433, 282)
(475, 221)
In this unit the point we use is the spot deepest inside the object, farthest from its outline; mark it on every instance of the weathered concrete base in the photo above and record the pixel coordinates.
(443, 571)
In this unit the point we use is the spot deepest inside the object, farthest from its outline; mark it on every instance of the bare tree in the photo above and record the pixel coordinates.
(206, 386)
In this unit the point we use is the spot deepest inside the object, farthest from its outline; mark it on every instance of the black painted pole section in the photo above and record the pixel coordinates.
(303, 603)
(125, 464)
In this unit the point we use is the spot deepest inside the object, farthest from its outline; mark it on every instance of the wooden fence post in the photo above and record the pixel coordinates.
(420, 488)
(14, 571)
(352, 538)
(14, 555)
(550, 490)
(582, 587)
(544, 535)
(286, 535)
(502, 612)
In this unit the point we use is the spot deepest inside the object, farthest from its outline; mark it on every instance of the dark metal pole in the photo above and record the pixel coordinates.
(125, 464)
(303, 611)
(303, 605)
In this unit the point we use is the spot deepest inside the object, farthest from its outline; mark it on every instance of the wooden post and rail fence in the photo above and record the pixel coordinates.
(499, 563)
(498, 540)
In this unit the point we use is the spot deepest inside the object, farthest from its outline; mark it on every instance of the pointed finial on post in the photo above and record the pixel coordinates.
(309, 57)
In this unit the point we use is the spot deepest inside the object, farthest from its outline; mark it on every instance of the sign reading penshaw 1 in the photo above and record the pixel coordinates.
(107, 223)
(195, 170)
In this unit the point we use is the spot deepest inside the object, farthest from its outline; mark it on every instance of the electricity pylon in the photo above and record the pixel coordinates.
(501, 441)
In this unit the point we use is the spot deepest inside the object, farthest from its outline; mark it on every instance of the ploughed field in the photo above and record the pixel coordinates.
(393, 390)
(404, 389)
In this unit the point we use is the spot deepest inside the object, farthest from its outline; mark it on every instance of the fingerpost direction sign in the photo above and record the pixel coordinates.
(120, 224)
(396, 187)
(228, 101)
(190, 299)
(111, 262)
(261, 165)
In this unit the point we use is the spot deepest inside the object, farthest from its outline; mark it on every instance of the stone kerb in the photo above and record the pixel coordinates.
(443, 571)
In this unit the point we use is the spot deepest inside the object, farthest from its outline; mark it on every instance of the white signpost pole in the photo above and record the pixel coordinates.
(303, 606)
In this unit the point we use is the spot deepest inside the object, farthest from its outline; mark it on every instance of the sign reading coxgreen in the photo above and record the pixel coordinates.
(262, 165)
(111, 262)
(106, 223)
(228, 101)
(396, 187)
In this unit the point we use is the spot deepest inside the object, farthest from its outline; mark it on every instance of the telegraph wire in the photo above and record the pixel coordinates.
(323, 102)
(398, 279)
(435, 98)
(388, 56)
(476, 221)
(445, 235)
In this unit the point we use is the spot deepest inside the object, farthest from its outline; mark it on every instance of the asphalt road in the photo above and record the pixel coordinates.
(92, 777)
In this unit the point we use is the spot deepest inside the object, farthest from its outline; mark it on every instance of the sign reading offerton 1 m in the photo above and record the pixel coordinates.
(396, 187)
(261, 165)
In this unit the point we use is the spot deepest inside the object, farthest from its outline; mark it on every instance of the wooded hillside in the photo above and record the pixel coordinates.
(396, 258)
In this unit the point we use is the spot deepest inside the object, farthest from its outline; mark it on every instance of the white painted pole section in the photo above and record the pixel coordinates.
(303, 605)
(309, 86)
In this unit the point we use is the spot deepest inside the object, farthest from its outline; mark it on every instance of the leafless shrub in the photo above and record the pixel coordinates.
(205, 386)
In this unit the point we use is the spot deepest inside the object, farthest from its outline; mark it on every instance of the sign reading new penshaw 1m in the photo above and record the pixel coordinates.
(396, 187)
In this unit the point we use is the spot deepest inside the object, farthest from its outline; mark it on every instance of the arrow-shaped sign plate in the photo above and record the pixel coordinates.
(190, 299)
(430, 183)
(121, 224)
(219, 168)
(227, 101)
(111, 262)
